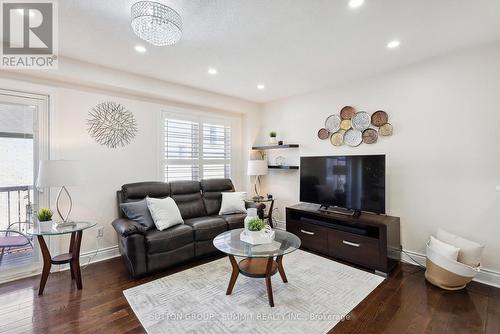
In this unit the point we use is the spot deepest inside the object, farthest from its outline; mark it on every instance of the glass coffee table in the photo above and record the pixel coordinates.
(72, 257)
(258, 260)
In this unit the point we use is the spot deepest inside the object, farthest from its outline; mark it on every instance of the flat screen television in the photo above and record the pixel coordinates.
(355, 182)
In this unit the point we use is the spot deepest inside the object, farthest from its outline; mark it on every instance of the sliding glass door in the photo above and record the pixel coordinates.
(23, 142)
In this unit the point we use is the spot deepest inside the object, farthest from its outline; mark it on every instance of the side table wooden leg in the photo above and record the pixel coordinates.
(71, 242)
(269, 268)
(75, 261)
(279, 261)
(234, 274)
(47, 264)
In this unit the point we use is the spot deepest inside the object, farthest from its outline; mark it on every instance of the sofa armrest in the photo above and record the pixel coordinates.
(259, 206)
(126, 227)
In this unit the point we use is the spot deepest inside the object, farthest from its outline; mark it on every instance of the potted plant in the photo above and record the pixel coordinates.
(256, 225)
(44, 217)
(257, 233)
(272, 138)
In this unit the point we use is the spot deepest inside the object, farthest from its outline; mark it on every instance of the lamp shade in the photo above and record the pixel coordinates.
(257, 167)
(58, 173)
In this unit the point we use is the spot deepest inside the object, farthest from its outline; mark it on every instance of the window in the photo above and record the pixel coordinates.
(196, 148)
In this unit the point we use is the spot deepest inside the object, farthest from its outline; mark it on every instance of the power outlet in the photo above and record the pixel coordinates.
(100, 231)
(497, 188)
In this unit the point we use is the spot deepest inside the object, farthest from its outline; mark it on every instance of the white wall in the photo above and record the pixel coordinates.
(107, 169)
(443, 162)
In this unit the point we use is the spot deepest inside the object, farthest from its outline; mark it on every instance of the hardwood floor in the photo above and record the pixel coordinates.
(404, 303)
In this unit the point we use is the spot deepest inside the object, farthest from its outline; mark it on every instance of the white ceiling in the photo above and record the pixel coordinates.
(292, 46)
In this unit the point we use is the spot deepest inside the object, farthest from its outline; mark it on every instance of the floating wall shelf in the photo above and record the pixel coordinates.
(282, 167)
(274, 147)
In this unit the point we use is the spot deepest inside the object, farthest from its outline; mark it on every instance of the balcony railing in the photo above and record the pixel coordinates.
(16, 207)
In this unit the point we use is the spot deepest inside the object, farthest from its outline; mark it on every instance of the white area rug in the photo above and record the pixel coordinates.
(319, 293)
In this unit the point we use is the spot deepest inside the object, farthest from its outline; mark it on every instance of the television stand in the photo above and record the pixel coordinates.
(369, 240)
(339, 210)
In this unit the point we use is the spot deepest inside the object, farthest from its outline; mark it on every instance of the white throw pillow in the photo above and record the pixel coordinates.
(444, 249)
(233, 202)
(165, 212)
(470, 251)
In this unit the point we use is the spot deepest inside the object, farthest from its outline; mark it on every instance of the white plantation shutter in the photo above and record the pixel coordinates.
(196, 149)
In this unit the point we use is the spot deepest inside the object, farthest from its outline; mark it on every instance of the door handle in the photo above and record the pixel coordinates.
(307, 232)
(348, 243)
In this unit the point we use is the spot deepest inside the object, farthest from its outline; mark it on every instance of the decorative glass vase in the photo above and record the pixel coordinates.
(251, 214)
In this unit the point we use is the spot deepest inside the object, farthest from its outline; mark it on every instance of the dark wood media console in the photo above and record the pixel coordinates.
(369, 240)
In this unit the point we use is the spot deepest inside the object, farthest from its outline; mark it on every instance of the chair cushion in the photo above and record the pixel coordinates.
(235, 220)
(187, 195)
(206, 228)
(211, 191)
(14, 241)
(171, 238)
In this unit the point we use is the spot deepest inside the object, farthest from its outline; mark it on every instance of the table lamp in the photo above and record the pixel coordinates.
(257, 168)
(59, 173)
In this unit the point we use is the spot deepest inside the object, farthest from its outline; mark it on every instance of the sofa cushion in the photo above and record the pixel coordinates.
(171, 238)
(165, 212)
(138, 211)
(187, 195)
(211, 192)
(234, 220)
(139, 190)
(206, 228)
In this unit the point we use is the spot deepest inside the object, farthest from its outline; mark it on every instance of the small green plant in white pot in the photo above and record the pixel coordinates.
(256, 225)
(273, 138)
(44, 217)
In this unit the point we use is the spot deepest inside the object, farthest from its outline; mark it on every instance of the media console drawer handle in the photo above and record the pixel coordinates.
(348, 243)
(307, 232)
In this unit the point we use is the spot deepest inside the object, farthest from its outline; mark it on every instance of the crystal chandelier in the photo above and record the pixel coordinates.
(156, 23)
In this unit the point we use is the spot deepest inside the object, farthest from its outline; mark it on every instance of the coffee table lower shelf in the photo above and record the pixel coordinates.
(257, 267)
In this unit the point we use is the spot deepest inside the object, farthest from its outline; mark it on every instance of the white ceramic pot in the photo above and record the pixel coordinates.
(273, 140)
(45, 226)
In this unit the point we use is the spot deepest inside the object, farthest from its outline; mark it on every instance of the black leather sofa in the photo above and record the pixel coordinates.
(147, 251)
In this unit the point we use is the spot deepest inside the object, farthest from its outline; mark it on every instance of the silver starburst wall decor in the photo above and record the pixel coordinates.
(111, 124)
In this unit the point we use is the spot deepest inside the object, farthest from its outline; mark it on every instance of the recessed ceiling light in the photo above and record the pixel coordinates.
(140, 48)
(393, 44)
(356, 3)
(212, 71)
(260, 86)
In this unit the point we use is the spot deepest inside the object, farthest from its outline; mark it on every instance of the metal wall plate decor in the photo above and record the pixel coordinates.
(386, 130)
(337, 138)
(353, 137)
(370, 136)
(353, 128)
(323, 134)
(111, 124)
(347, 112)
(332, 123)
(345, 124)
(361, 121)
(379, 118)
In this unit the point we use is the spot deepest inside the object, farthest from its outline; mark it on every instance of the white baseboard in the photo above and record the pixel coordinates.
(485, 276)
(93, 257)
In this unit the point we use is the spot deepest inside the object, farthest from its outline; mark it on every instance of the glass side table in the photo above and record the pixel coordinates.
(269, 214)
(72, 257)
